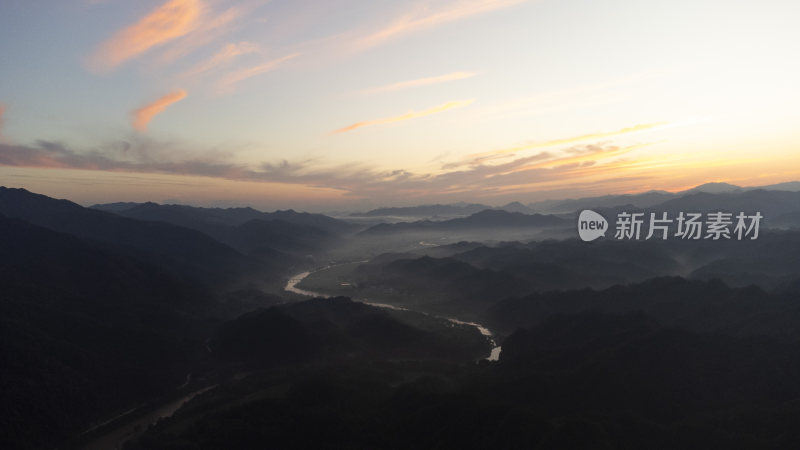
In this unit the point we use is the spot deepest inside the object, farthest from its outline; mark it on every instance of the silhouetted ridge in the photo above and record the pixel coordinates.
(180, 250)
(337, 328)
(701, 306)
(248, 230)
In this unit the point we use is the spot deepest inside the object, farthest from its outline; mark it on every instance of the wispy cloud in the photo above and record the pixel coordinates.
(212, 27)
(599, 135)
(424, 18)
(226, 55)
(142, 116)
(228, 83)
(479, 158)
(169, 21)
(582, 156)
(421, 82)
(525, 174)
(407, 116)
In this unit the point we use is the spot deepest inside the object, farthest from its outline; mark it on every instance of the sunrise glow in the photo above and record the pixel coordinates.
(384, 102)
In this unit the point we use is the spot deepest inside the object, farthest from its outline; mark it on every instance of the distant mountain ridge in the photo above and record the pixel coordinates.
(489, 218)
(568, 205)
(245, 229)
(779, 209)
(651, 198)
(221, 216)
(425, 210)
(441, 211)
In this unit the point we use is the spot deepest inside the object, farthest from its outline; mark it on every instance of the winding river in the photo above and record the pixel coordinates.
(291, 286)
(116, 437)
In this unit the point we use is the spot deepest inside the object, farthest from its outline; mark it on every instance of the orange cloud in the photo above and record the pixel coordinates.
(424, 18)
(209, 29)
(407, 116)
(422, 82)
(228, 83)
(143, 115)
(224, 56)
(171, 20)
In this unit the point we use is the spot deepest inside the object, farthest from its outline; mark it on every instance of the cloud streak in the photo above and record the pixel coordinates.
(142, 116)
(479, 158)
(228, 83)
(170, 21)
(421, 82)
(226, 55)
(407, 116)
(211, 27)
(425, 18)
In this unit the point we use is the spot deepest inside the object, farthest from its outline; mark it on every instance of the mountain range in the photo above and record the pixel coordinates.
(175, 249)
(110, 312)
(486, 219)
(194, 217)
(440, 211)
(563, 206)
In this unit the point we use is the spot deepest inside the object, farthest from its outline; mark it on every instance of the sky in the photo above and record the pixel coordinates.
(345, 105)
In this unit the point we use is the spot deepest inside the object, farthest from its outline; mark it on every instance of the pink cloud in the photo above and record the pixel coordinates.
(171, 20)
(142, 116)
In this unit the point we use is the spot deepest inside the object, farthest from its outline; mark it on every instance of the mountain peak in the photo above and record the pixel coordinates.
(715, 188)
